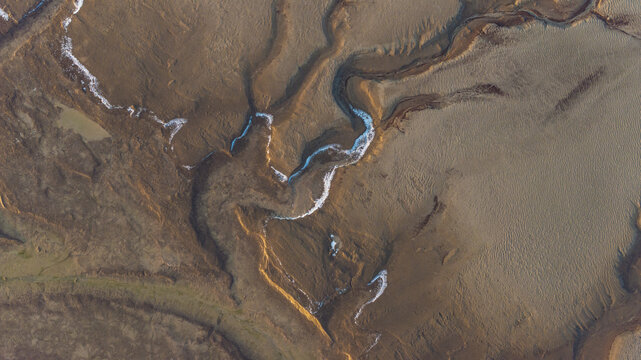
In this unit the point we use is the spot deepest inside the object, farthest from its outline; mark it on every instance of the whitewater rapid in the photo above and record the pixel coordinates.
(381, 278)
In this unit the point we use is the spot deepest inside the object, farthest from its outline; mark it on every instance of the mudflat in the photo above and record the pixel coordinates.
(277, 179)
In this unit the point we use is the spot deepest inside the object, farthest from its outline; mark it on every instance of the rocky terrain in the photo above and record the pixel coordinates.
(331, 179)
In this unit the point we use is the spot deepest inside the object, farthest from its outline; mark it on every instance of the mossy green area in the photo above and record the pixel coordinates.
(26, 274)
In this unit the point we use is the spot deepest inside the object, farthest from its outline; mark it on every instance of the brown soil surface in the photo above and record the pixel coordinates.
(279, 179)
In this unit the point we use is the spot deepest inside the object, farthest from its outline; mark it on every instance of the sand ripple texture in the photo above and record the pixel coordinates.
(331, 179)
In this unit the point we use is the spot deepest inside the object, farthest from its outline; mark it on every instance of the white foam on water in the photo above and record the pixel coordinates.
(67, 48)
(311, 157)
(281, 177)
(381, 277)
(67, 51)
(363, 142)
(77, 6)
(269, 118)
(175, 125)
(341, 291)
(334, 245)
(191, 167)
(157, 119)
(318, 203)
(94, 85)
(3, 15)
(353, 155)
(378, 337)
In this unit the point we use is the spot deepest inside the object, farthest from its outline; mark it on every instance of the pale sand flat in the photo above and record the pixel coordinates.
(546, 178)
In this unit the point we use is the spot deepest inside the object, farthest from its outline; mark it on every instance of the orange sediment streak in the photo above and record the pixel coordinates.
(261, 268)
